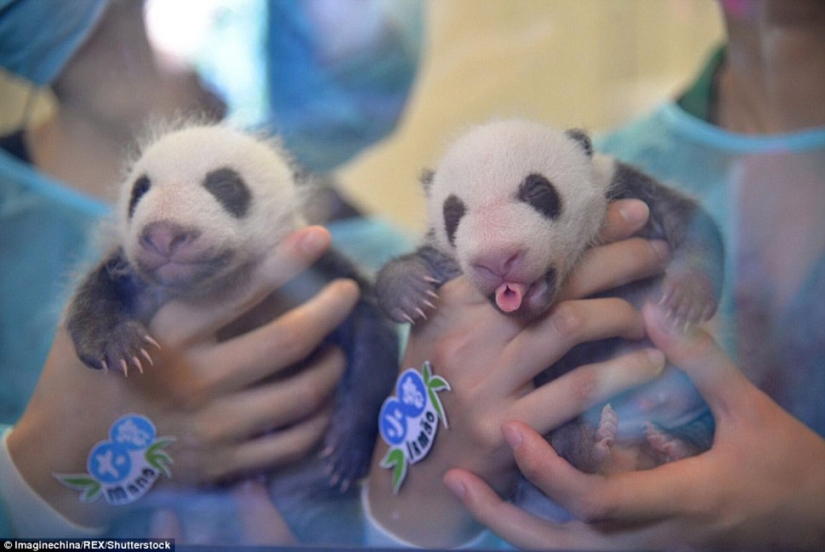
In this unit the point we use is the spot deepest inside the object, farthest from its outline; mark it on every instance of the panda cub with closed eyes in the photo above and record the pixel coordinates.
(513, 206)
(202, 206)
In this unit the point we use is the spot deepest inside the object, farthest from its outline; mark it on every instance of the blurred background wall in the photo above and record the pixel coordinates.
(592, 64)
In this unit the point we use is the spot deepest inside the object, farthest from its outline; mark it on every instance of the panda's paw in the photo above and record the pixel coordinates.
(406, 291)
(668, 447)
(605, 435)
(124, 347)
(345, 463)
(688, 296)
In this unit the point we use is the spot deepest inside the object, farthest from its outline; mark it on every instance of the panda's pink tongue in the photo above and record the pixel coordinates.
(509, 296)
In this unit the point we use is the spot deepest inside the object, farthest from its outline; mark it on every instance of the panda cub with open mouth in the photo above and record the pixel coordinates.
(513, 206)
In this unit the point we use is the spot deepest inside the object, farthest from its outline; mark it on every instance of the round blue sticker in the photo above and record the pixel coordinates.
(412, 392)
(109, 462)
(133, 432)
(393, 421)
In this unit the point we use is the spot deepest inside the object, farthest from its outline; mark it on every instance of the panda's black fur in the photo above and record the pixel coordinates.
(200, 208)
(513, 205)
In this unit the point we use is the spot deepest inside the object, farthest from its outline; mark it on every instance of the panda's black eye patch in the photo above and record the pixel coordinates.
(230, 190)
(540, 194)
(139, 189)
(454, 209)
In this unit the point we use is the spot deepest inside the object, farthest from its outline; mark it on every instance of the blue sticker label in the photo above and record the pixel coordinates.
(125, 467)
(408, 422)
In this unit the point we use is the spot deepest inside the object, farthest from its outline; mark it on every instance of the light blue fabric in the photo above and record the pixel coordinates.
(370, 242)
(38, 37)
(45, 231)
(5, 520)
(328, 107)
(714, 165)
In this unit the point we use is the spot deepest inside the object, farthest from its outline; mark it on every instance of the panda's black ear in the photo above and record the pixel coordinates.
(582, 138)
(426, 179)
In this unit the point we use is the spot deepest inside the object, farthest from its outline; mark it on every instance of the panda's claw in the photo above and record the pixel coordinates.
(151, 341)
(125, 367)
(145, 354)
(136, 362)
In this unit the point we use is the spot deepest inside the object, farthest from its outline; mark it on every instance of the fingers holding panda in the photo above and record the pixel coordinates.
(618, 257)
(606, 267)
(568, 324)
(180, 322)
(578, 390)
(275, 407)
(624, 218)
(284, 342)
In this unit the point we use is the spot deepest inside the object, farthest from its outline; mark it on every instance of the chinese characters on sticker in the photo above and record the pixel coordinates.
(408, 421)
(123, 468)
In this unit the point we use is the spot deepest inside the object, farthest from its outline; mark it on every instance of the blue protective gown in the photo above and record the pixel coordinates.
(718, 167)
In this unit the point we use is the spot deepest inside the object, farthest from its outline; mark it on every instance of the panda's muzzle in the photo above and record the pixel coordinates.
(175, 256)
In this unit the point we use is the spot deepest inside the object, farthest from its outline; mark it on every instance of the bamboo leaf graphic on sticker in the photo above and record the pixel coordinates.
(395, 459)
(89, 488)
(434, 385)
(159, 458)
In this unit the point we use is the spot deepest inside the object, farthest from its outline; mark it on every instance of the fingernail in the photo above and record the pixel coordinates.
(512, 435)
(661, 249)
(315, 241)
(455, 487)
(634, 212)
(662, 319)
(657, 359)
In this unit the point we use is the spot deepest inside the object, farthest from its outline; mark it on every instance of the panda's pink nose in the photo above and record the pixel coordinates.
(166, 239)
(500, 265)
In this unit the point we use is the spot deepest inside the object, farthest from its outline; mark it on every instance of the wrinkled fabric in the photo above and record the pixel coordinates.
(718, 167)
(38, 37)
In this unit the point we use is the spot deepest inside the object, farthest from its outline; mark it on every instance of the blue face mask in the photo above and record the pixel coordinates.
(38, 37)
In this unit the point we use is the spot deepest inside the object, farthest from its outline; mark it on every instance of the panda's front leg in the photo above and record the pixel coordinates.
(408, 285)
(100, 321)
(371, 346)
(692, 284)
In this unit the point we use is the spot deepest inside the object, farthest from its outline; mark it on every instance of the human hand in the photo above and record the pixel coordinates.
(490, 361)
(760, 486)
(216, 398)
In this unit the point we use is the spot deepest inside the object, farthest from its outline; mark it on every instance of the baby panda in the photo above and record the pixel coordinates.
(513, 205)
(201, 207)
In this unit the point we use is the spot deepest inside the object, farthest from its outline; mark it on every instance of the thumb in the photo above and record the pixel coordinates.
(695, 352)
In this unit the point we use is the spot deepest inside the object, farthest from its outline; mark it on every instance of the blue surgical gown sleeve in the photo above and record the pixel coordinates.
(45, 231)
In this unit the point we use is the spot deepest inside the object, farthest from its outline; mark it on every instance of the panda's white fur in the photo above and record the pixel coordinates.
(484, 168)
(200, 206)
(175, 164)
(513, 205)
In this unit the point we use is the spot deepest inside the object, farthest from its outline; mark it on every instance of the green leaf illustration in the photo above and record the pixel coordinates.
(434, 384)
(395, 459)
(437, 383)
(427, 371)
(158, 458)
(89, 488)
